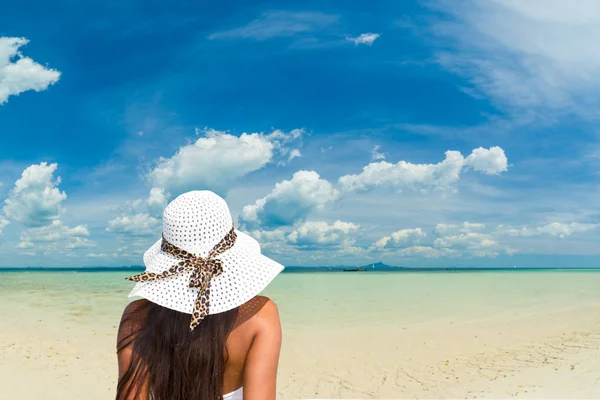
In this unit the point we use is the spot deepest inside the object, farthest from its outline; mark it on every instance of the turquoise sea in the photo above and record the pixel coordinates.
(308, 301)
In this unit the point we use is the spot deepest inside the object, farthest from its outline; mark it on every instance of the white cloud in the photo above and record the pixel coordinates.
(443, 229)
(453, 240)
(365, 38)
(279, 24)
(102, 255)
(536, 55)
(153, 205)
(290, 201)
(135, 225)
(274, 235)
(293, 154)
(311, 240)
(408, 176)
(80, 243)
(405, 175)
(3, 223)
(218, 160)
(273, 241)
(558, 229)
(23, 74)
(490, 161)
(25, 245)
(427, 252)
(320, 233)
(475, 243)
(376, 154)
(55, 236)
(54, 232)
(157, 201)
(400, 238)
(140, 218)
(35, 199)
(470, 238)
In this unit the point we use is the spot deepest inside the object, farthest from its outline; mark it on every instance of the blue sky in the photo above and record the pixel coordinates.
(425, 133)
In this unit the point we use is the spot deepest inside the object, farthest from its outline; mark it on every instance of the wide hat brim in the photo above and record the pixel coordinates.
(246, 273)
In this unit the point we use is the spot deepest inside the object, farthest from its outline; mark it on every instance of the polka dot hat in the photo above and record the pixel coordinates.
(195, 222)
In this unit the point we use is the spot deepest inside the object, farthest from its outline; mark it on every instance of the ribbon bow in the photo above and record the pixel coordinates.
(202, 271)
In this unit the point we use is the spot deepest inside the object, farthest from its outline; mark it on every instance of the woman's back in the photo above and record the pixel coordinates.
(201, 331)
(252, 352)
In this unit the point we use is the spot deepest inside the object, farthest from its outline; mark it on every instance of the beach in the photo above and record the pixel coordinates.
(346, 335)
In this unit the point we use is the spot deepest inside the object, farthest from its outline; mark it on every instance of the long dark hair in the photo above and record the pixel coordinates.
(169, 360)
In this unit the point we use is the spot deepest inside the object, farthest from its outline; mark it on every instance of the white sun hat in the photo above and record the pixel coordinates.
(194, 224)
(248, 241)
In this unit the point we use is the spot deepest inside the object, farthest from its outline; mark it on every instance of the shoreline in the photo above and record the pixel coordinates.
(387, 336)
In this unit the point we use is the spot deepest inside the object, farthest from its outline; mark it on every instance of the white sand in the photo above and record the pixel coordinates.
(547, 354)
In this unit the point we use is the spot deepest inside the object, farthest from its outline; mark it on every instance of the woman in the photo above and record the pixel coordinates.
(201, 332)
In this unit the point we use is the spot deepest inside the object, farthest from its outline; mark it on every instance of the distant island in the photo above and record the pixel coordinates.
(378, 266)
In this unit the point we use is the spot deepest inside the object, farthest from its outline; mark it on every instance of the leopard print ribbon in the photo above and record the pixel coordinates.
(202, 269)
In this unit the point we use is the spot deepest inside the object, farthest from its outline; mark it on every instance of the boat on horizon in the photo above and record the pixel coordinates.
(353, 269)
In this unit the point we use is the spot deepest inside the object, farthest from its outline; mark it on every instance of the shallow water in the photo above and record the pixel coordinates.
(346, 335)
(317, 301)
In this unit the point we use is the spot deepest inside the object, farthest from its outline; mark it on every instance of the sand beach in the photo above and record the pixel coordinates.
(346, 336)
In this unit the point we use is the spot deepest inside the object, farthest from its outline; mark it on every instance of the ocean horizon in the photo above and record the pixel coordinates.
(299, 269)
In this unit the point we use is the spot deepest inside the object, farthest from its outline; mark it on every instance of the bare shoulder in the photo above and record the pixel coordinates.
(132, 318)
(133, 310)
(259, 313)
(269, 308)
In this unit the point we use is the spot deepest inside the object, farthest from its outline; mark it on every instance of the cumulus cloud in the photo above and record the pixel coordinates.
(79, 243)
(157, 201)
(365, 38)
(470, 238)
(135, 225)
(312, 240)
(294, 199)
(405, 175)
(475, 243)
(53, 232)
(278, 24)
(490, 161)
(36, 202)
(320, 233)
(290, 201)
(401, 238)
(35, 199)
(408, 176)
(18, 73)
(427, 252)
(451, 240)
(443, 229)
(139, 218)
(558, 229)
(55, 236)
(219, 159)
(525, 55)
